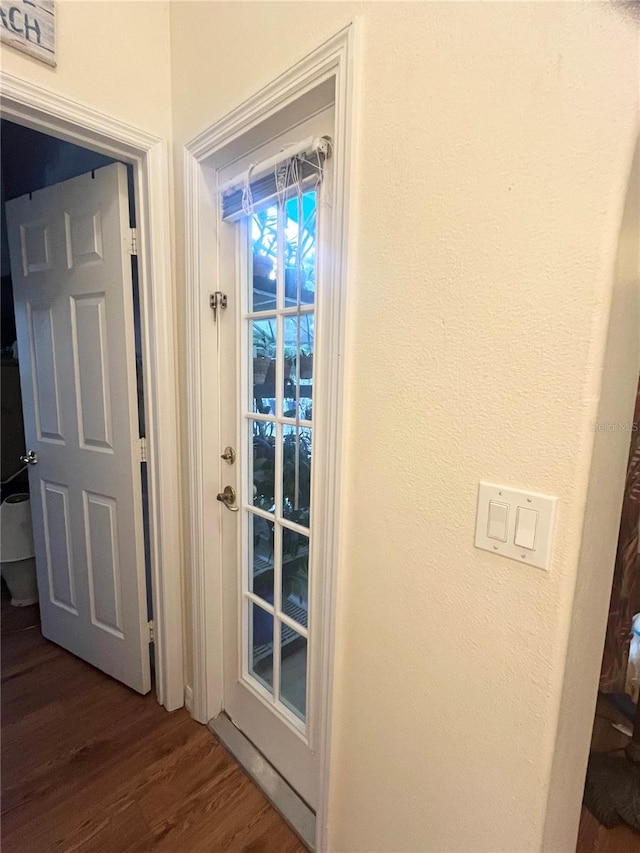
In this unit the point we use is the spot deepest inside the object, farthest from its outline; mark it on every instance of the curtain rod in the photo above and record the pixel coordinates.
(259, 170)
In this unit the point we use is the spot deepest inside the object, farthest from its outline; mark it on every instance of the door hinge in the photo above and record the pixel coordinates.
(152, 634)
(143, 449)
(132, 247)
(217, 301)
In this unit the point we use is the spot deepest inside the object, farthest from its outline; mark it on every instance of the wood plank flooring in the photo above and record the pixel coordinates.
(88, 765)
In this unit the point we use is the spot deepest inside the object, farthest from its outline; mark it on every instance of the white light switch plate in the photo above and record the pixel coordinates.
(545, 505)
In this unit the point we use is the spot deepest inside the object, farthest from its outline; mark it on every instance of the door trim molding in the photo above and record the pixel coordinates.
(334, 59)
(49, 112)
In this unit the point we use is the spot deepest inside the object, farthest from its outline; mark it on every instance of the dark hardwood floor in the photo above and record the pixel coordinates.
(88, 765)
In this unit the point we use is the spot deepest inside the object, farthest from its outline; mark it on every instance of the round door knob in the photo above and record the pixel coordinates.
(30, 459)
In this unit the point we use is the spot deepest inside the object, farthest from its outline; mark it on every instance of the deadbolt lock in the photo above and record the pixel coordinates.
(229, 455)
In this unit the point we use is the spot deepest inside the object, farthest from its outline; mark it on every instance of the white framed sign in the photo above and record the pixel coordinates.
(30, 26)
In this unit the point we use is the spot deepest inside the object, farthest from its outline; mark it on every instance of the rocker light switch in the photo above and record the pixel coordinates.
(515, 523)
(497, 522)
(526, 525)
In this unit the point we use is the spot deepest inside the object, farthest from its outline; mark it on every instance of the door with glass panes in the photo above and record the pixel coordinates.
(271, 384)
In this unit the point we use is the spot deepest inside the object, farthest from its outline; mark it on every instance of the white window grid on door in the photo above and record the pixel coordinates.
(278, 420)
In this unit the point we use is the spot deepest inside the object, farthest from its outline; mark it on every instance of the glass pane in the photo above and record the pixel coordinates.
(296, 474)
(293, 671)
(298, 358)
(261, 557)
(261, 645)
(295, 575)
(262, 437)
(262, 382)
(264, 255)
(300, 249)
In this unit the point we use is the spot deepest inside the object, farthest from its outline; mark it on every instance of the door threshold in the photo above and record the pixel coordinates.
(279, 793)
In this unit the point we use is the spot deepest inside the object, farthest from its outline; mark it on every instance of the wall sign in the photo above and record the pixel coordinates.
(29, 26)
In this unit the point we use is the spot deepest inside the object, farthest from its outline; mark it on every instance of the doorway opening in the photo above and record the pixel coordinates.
(33, 164)
(611, 806)
(48, 112)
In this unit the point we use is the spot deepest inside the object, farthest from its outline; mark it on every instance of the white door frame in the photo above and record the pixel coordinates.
(333, 59)
(48, 112)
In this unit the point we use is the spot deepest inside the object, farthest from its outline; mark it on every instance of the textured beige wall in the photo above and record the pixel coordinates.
(112, 55)
(494, 149)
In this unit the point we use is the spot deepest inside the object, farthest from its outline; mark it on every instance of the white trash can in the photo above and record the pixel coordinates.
(17, 560)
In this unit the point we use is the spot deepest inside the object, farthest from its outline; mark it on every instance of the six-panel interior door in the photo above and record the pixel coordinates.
(268, 389)
(73, 297)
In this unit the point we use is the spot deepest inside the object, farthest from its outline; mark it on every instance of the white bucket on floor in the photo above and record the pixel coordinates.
(17, 562)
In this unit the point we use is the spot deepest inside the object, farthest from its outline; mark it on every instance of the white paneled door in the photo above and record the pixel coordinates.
(70, 248)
